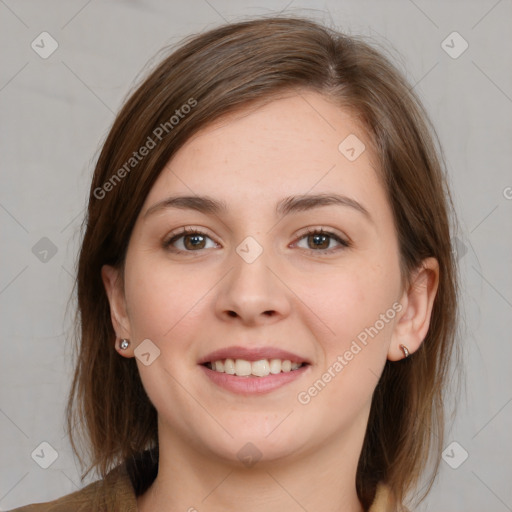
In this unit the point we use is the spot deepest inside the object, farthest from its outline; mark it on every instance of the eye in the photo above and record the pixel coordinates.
(188, 240)
(319, 241)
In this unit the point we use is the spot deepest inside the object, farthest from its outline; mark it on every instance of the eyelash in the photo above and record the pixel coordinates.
(310, 231)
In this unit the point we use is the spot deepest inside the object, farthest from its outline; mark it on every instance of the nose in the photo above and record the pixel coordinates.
(253, 293)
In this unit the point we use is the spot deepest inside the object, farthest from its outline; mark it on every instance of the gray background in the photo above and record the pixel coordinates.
(56, 111)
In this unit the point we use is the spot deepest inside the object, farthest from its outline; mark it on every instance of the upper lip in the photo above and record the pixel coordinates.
(252, 354)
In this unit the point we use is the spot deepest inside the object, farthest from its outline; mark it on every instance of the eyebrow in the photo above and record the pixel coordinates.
(285, 206)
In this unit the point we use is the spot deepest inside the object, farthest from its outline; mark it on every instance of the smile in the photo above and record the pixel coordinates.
(245, 368)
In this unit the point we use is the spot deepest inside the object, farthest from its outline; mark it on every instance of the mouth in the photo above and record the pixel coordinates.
(253, 371)
(260, 368)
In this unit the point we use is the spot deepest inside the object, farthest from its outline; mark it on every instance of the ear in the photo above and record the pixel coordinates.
(112, 281)
(412, 326)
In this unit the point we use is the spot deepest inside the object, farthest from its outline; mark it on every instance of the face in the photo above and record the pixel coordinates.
(273, 279)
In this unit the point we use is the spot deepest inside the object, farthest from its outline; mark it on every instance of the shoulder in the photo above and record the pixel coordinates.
(114, 492)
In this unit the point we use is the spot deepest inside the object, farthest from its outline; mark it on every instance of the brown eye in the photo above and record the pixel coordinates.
(188, 240)
(318, 241)
(194, 242)
(321, 241)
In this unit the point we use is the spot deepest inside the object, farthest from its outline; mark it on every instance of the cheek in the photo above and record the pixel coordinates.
(161, 300)
(357, 306)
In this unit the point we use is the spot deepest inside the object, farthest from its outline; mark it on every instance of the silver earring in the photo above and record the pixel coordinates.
(405, 350)
(124, 344)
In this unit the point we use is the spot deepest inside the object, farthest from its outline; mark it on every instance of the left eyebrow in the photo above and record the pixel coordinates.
(285, 206)
(308, 202)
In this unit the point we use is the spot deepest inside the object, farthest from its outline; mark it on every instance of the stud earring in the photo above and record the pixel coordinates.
(405, 350)
(124, 344)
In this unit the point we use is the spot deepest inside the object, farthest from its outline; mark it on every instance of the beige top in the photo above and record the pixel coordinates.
(115, 493)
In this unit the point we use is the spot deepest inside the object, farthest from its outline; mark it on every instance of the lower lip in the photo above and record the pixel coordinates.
(253, 385)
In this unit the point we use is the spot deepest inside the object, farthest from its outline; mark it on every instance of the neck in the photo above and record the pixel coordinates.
(323, 480)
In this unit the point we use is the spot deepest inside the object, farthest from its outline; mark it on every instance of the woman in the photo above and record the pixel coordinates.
(266, 288)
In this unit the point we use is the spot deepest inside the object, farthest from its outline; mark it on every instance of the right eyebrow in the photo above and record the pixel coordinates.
(203, 204)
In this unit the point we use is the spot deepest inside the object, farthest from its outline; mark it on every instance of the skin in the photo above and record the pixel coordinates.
(189, 304)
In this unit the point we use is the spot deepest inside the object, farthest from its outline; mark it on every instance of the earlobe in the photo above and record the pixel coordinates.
(412, 326)
(115, 293)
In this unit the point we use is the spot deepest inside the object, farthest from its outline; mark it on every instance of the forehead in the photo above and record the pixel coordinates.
(299, 144)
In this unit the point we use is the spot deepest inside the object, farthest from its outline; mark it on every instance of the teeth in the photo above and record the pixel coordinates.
(229, 366)
(275, 366)
(242, 367)
(261, 368)
(219, 366)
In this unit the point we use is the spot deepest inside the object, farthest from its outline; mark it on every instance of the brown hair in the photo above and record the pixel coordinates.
(223, 71)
